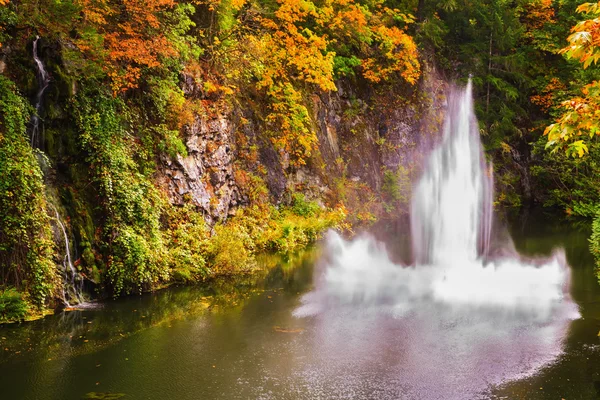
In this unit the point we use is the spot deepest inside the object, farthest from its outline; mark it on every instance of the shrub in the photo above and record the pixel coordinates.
(12, 306)
(187, 244)
(303, 207)
(230, 249)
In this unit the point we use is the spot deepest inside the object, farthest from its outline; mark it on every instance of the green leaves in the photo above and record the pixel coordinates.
(577, 148)
(132, 241)
(26, 248)
(13, 306)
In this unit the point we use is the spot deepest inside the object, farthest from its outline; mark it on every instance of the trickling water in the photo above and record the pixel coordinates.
(72, 287)
(452, 203)
(43, 80)
(466, 320)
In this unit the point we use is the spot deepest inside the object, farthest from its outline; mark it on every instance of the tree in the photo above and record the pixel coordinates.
(581, 114)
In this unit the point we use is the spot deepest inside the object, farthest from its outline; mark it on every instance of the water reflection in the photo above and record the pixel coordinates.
(250, 346)
(81, 331)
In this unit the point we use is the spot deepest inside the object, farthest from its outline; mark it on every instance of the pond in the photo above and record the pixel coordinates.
(454, 304)
(245, 339)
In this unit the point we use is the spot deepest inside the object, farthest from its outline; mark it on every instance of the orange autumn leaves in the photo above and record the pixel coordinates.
(584, 40)
(581, 115)
(294, 52)
(304, 35)
(390, 61)
(290, 47)
(132, 37)
(297, 47)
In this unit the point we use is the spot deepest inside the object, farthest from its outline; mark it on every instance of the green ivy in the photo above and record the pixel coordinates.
(132, 242)
(26, 246)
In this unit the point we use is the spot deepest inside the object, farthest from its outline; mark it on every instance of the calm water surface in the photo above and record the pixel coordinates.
(240, 340)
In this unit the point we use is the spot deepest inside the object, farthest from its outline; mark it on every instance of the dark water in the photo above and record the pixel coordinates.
(239, 340)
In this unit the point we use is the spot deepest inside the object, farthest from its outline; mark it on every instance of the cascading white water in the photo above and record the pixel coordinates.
(451, 205)
(43, 81)
(72, 287)
(464, 320)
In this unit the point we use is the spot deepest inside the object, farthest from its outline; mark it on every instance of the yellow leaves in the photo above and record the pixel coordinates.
(293, 11)
(399, 54)
(505, 147)
(290, 123)
(583, 42)
(238, 4)
(296, 47)
(578, 148)
(580, 118)
(588, 8)
(582, 114)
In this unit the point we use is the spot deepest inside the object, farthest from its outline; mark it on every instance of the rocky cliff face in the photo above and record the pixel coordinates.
(205, 175)
(361, 135)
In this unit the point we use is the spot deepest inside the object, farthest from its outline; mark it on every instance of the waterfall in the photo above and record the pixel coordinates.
(43, 80)
(72, 287)
(452, 203)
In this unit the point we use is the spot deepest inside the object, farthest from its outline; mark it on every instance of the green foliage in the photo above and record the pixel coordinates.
(595, 243)
(571, 183)
(231, 248)
(345, 66)
(187, 245)
(13, 306)
(233, 245)
(8, 18)
(132, 241)
(293, 231)
(396, 188)
(171, 142)
(302, 207)
(26, 248)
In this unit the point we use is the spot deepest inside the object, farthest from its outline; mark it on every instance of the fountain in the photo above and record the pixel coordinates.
(452, 203)
(462, 320)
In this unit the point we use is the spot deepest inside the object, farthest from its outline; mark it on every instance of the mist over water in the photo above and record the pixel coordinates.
(461, 319)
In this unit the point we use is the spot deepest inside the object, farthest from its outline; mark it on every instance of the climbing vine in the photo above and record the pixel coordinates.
(26, 246)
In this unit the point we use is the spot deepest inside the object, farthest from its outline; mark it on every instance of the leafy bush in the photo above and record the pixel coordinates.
(187, 245)
(132, 241)
(12, 306)
(396, 188)
(302, 207)
(595, 243)
(26, 248)
(230, 249)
